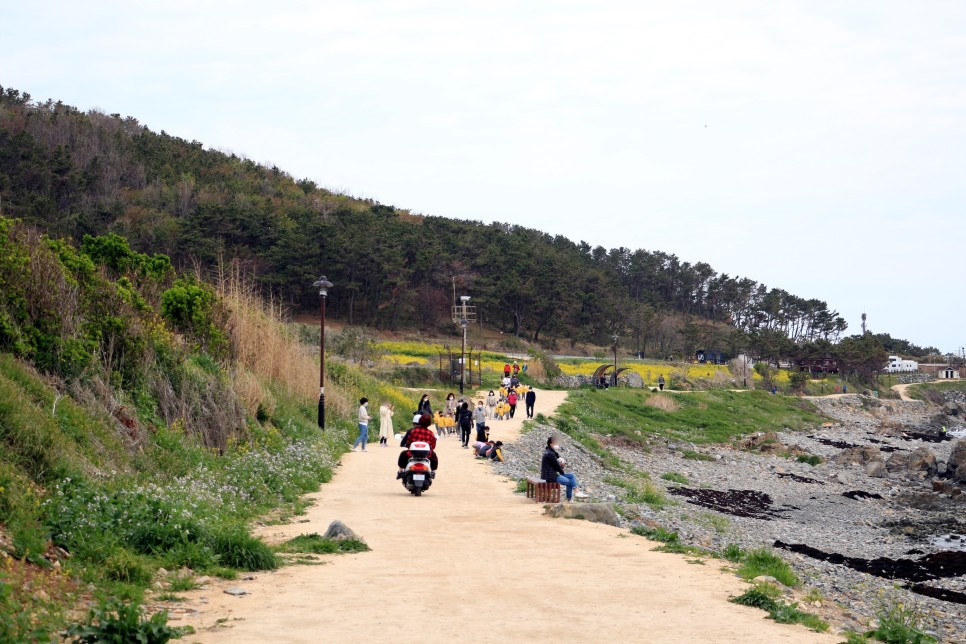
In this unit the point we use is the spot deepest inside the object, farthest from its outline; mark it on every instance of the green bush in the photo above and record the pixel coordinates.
(120, 622)
(124, 565)
(236, 548)
(811, 459)
(762, 561)
(675, 477)
(316, 544)
(733, 553)
(765, 597)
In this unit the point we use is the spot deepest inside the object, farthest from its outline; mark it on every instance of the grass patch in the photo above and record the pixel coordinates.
(762, 561)
(640, 491)
(692, 455)
(764, 596)
(183, 584)
(714, 521)
(733, 553)
(811, 459)
(314, 543)
(899, 622)
(675, 477)
(705, 417)
(521, 487)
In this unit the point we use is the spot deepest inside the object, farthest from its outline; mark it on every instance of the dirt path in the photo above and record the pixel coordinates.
(471, 561)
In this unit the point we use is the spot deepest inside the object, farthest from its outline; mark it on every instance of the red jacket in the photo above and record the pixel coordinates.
(512, 398)
(419, 434)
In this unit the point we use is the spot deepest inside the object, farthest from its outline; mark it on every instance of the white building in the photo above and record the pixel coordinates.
(898, 365)
(948, 374)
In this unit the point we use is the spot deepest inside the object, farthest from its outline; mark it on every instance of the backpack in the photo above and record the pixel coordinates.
(466, 419)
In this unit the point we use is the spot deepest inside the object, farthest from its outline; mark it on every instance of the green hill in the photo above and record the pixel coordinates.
(72, 173)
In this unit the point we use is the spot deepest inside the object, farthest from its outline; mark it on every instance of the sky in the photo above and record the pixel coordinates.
(816, 146)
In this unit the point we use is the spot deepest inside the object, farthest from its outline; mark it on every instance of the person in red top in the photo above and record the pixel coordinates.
(506, 370)
(512, 401)
(419, 433)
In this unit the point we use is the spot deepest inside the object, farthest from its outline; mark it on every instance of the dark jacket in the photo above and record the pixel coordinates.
(426, 407)
(550, 466)
(465, 419)
(531, 397)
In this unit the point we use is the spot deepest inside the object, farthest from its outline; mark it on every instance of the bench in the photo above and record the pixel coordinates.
(541, 491)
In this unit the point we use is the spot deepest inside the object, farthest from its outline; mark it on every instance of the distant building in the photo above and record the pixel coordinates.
(949, 373)
(818, 365)
(898, 365)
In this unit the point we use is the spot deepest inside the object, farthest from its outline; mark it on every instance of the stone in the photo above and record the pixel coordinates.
(765, 579)
(876, 469)
(338, 531)
(633, 379)
(862, 455)
(236, 592)
(593, 512)
(922, 460)
(960, 474)
(201, 581)
(957, 457)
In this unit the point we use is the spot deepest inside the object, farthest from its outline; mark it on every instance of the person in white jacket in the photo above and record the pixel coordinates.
(385, 423)
(364, 419)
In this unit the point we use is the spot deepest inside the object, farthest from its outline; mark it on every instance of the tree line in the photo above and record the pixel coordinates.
(74, 173)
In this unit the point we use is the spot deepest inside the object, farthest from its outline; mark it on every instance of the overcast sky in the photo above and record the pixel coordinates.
(815, 146)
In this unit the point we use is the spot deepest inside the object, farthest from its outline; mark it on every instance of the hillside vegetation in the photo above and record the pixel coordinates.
(145, 418)
(74, 173)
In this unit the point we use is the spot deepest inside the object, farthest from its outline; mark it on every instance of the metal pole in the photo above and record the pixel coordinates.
(463, 360)
(322, 368)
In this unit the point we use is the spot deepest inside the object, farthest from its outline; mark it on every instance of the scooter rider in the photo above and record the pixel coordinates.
(420, 432)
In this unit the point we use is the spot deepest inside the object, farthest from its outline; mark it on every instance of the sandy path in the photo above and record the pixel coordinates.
(470, 560)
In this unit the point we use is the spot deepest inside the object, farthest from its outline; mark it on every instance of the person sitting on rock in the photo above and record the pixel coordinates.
(552, 469)
(420, 432)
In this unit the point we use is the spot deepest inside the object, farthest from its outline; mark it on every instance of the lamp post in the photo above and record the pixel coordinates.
(463, 315)
(323, 285)
(614, 338)
(744, 371)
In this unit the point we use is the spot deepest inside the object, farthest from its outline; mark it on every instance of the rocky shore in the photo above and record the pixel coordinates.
(883, 514)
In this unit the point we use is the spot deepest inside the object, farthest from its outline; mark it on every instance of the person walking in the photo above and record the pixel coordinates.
(364, 419)
(530, 398)
(506, 370)
(385, 423)
(425, 407)
(465, 424)
(660, 382)
(490, 404)
(479, 415)
(511, 400)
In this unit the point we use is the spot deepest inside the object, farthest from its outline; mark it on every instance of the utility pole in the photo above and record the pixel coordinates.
(463, 315)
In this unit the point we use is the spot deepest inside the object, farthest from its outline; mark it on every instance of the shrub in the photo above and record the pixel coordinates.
(899, 622)
(811, 459)
(316, 544)
(762, 561)
(236, 548)
(765, 597)
(123, 565)
(692, 455)
(733, 553)
(116, 621)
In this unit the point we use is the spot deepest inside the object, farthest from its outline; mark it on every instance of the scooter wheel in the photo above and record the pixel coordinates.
(418, 491)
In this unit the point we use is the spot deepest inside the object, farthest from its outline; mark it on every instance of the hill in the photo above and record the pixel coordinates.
(72, 173)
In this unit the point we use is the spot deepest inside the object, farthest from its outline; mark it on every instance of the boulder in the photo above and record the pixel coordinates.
(633, 380)
(338, 531)
(960, 474)
(921, 461)
(876, 469)
(593, 512)
(862, 455)
(957, 457)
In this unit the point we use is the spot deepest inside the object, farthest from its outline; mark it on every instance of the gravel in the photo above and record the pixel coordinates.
(909, 516)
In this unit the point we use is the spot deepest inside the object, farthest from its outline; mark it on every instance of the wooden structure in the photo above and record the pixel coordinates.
(541, 491)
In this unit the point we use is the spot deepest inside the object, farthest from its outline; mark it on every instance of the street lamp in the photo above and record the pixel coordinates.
(323, 285)
(614, 338)
(464, 323)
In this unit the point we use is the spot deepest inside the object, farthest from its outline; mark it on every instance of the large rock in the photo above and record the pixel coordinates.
(862, 455)
(919, 461)
(632, 379)
(957, 457)
(594, 512)
(338, 531)
(876, 469)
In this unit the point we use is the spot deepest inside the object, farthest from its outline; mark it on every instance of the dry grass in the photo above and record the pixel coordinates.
(664, 403)
(266, 348)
